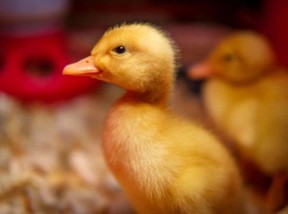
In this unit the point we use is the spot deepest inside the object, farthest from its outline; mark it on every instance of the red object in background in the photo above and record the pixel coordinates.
(31, 69)
(274, 25)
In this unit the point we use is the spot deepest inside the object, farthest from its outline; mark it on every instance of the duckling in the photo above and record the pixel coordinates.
(246, 95)
(163, 163)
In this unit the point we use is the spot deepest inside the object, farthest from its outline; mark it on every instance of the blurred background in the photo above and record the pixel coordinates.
(41, 37)
(50, 159)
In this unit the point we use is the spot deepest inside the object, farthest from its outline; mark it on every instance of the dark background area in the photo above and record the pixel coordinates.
(229, 12)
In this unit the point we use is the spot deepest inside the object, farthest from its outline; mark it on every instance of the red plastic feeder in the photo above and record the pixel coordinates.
(31, 69)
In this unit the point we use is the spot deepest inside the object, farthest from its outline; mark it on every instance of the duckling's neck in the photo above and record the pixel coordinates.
(153, 98)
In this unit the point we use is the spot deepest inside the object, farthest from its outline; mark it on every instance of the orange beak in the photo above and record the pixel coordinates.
(200, 71)
(84, 67)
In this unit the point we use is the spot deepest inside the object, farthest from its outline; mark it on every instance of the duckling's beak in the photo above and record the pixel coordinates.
(84, 67)
(200, 71)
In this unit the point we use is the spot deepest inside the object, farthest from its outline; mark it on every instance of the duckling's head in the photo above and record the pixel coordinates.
(241, 57)
(137, 57)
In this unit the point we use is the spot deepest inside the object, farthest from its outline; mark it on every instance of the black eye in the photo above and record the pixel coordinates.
(119, 49)
(228, 57)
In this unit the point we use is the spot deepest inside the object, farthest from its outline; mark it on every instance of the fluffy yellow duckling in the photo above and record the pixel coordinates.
(163, 163)
(247, 96)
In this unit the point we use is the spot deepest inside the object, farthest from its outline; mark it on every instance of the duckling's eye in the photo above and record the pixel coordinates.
(228, 57)
(119, 49)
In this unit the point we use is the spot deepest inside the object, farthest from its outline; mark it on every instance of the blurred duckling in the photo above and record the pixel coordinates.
(163, 163)
(247, 96)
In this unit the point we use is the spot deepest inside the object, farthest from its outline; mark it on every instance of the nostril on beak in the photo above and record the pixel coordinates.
(84, 67)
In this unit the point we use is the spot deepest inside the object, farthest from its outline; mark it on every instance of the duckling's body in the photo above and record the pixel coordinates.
(255, 115)
(247, 97)
(164, 164)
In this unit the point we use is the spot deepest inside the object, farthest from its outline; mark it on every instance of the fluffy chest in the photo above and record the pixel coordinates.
(134, 149)
(234, 109)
